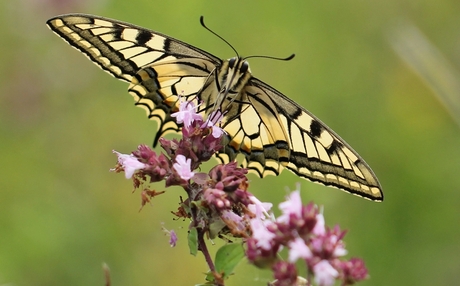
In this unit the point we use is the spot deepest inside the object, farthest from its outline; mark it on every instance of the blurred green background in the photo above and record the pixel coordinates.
(62, 213)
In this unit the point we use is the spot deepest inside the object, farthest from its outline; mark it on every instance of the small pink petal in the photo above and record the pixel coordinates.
(182, 167)
(324, 273)
(292, 205)
(298, 249)
(130, 164)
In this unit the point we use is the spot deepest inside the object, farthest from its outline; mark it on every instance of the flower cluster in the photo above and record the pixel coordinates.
(221, 194)
(301, 229)
(218, 204)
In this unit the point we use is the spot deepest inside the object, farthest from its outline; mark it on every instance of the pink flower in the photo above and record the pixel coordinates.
(217, 131)
(187, 113)
(324, 273)
(236, 220)
(172, 238)
(298, 249)
(260, 233)
(292, 205)
(129, 163)
(339, 249)
(213, 120)
(319, 228)
(259, 208)
(330, 244)
(182, 167)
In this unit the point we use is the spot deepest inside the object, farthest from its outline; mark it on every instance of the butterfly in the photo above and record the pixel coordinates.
(271, 131)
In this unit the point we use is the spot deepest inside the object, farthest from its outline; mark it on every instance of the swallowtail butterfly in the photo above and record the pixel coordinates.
(269, 129)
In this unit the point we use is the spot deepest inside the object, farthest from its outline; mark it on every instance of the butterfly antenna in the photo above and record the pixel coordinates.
(272, 58)
(217, 35)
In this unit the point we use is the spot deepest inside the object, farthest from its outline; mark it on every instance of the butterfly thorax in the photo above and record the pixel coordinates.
(224, 88)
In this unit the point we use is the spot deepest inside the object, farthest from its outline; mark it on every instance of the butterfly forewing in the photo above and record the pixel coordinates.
(157, 88)
(158, 67)
(270, 130)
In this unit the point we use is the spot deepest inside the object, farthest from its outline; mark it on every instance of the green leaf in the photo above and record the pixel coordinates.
(209, 277)
(193, 241)
(228, 257)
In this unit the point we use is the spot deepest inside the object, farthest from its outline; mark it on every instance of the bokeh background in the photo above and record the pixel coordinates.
(377, 72)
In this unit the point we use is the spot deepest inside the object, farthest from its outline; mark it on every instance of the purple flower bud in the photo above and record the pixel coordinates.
(354, 270)
(229, 175)
(216, 198)
(285, 273)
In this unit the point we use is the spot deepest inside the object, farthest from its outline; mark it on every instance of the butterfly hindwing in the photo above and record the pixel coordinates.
(318, 153)
(256, 132)
(270, 130)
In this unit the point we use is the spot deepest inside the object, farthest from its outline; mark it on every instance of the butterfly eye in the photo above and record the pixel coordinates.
(244, 67)
(232, 62)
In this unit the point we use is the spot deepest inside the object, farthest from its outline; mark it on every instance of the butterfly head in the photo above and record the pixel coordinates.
(233, 75)
(238, 65)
